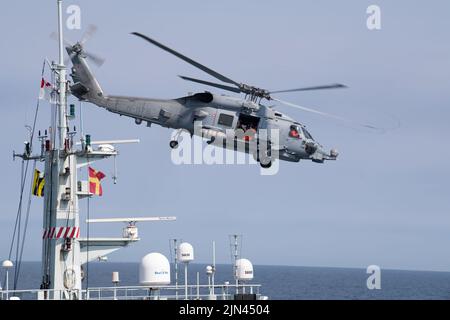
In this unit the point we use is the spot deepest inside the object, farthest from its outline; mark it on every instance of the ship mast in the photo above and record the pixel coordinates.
(61, 270)
(63, 251)
(61, 82)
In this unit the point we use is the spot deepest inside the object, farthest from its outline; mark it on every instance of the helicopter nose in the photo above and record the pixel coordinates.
(321, 155)
(334, 153)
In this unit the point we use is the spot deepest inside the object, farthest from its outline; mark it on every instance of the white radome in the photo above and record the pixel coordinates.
(7, 264)
(185, 252)
(244, 269)
(154, 270)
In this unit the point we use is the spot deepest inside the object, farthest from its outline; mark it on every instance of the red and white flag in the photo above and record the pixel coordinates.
(46, 91)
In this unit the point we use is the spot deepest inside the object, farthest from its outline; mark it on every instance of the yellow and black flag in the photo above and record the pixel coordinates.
(38, 184)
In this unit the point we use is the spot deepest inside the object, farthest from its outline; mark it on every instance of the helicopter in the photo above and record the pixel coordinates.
(217, 118)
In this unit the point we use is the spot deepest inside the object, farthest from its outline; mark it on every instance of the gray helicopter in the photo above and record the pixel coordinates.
(218, 118)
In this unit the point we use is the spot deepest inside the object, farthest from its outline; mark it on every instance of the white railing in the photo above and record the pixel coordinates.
(194, 292)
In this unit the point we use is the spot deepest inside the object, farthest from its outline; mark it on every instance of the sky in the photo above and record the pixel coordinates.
(384, 202)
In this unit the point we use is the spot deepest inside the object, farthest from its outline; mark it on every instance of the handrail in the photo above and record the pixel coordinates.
(167, 292)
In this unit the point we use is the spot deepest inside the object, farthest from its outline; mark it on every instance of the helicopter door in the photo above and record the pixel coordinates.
(249, 125)
(219, 126)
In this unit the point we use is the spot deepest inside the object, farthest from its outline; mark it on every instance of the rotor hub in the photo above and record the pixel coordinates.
(77, 48)
(254, 92)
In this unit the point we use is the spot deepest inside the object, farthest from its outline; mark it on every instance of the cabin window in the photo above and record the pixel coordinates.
(226, 120)
(249, 125)
(294, 132)
(247, 122)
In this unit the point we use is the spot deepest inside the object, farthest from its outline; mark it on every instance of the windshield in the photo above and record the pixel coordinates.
(307, 134)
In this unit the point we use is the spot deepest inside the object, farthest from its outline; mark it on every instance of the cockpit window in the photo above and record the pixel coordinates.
(307, 134)
(294, 132)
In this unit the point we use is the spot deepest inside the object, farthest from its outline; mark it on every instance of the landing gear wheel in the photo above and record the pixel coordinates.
(173, 144)
(266, 166)
(265, 163)
(265, 159)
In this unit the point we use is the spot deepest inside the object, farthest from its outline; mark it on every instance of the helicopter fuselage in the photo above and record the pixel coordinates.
(220, 119)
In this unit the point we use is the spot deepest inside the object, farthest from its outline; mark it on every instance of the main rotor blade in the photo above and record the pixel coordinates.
(188, 60)
(97, 60)
(329, 115)
(329, 86)
(92, 29)
(212, 84)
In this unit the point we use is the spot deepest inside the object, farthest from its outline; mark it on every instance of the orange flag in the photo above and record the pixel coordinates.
(94, 181)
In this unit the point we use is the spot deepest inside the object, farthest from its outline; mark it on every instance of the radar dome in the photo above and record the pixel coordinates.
(244, 269)
(7, 264)
(154, 270)
(185, 252)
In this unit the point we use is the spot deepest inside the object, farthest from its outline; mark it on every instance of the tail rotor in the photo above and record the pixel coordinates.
(79, 46)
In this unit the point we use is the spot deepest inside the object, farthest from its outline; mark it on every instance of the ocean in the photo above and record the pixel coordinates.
(281, 282)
